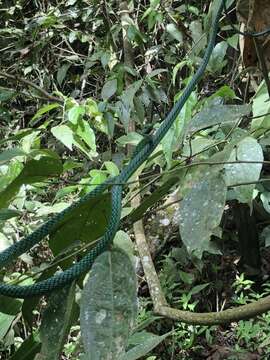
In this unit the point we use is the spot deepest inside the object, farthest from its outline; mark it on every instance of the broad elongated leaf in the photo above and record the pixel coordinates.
(6, 214)
(56, 322)
(109, 89)
(28, 349)
(201, 211)
(152, 199)
(131, 138)
(217, 114)
(6, 94)
(33, 171)
(261, 110)
(123, 241)
(64, 134)
(86, 133)
(174, 32)
(5, 323)
(84, 224)
(9, 154)
(247, 149)
(10, 306)
(128, 95)
(265, 236)
(108, 306)
(147, 343)
(217, 60)
(43, 110)
(76, 113)
(61, 73)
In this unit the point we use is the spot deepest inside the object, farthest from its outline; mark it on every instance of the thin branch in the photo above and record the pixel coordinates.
(43, 92)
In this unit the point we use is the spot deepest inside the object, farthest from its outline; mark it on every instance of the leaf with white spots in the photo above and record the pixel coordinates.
(108, 306)
(247, 149)
(200, 213)
(56, 322)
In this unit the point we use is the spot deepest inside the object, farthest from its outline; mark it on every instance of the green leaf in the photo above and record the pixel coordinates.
(128, 95)
(199, 38)
(4, 242)
(108, 306)
(9, 154)
(217, 114)
(233, 41)
(261, 106)
(265, 236)
(64, 134)
(6, 214)
(86, 133)
(197, 288)
(6, 321)
(265, 198)
(10, 306)
(109, 89)
(6, 94)
(131, 138)
(84, 224)
(5, 115)
(196, 145)
(225, 92)
(62, 72)
(112, 168)
(152, 199)
(28, 349)
(43, 110)
(33, 171)
(217, 60)
(174, 32)
(56, 322)
(201, 211)
(146, 343)
(247, 149)
(123, 241)
(76, 113)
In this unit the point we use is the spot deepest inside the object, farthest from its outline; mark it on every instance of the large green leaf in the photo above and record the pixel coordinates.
(28, 349)
(85, 223)
(64, 134)
(10, 306)
(108, 306)
(6, 321)
(153, 199)
(76, 113)
(109, 89)
(56, 322)
(217, 114)
(261, 110)
(217, 60)
(6, 94)
(43, 110)
(247, 149)
(9, 154)
(201, 211)
(174, 32)
(86, 133)
(6, 214)
(145, 342)
(33, 171)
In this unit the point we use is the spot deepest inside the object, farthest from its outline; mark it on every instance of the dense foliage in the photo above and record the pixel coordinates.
(81, 83)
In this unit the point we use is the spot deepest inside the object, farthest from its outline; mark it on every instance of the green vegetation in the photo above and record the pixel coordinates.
(82, 83)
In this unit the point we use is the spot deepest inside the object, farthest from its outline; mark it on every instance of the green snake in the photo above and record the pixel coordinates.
(139, 157)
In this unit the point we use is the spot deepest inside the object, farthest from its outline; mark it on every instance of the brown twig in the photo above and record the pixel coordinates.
(43, 92)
